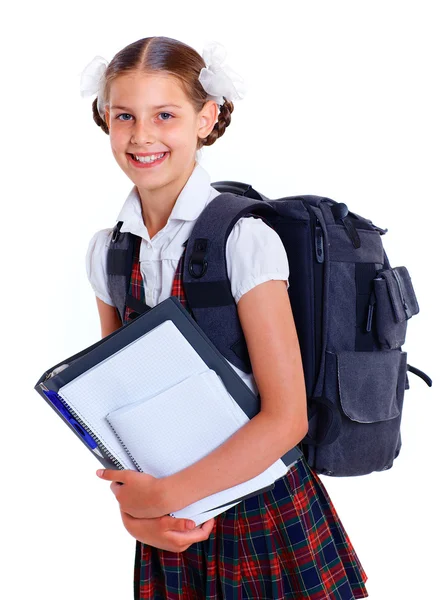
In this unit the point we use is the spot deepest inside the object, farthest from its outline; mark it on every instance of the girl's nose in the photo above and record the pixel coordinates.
(142, 134)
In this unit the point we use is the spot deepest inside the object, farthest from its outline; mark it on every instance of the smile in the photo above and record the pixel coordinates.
(146, 161)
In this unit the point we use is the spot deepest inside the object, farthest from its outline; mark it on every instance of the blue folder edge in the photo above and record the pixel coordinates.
(169, 309)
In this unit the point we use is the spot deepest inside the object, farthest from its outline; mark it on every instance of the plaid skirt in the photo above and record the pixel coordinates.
(287, 543)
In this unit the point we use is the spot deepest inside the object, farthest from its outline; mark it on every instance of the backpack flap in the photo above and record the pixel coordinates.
(368, 390)
(205, 279)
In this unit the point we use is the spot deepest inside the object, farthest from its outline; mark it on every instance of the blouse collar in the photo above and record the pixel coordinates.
(194, 196)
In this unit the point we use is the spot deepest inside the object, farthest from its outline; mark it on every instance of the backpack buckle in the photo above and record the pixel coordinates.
(198, 258)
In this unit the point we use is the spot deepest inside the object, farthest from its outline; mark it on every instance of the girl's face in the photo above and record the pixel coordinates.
(149, 114)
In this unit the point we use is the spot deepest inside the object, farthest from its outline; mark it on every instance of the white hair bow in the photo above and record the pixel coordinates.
(92, 80)
(218, 79)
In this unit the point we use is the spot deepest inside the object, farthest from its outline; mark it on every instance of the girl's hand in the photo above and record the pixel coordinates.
(141, 496)
(167, 533)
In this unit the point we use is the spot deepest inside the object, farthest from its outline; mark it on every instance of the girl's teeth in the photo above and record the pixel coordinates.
(147, 159)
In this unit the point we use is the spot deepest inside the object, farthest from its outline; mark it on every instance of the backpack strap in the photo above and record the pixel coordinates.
(205, 279)
(420, 374)
(118, 269)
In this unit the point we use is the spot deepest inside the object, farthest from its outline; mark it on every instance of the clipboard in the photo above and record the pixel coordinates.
(172, 310)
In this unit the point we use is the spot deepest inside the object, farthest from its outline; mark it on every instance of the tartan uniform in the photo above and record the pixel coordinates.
(287, 543)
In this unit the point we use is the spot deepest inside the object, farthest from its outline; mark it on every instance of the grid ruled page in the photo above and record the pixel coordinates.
(154, 362)
(176, 428)
(159, 399)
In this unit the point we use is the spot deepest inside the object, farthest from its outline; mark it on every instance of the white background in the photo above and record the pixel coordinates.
(345, 99)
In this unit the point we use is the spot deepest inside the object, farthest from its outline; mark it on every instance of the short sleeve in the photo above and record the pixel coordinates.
(254, 254)
(96, 264)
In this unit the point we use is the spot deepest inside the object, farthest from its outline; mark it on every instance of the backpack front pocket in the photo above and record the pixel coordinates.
(367, 389)
(395, 303)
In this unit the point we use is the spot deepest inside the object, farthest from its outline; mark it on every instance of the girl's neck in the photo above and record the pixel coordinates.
(158, 204)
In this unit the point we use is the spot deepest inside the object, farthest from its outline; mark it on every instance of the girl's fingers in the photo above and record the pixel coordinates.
(199, 534)
(207, 526)
(186, 525)
(174, 524)
(196, 533)
(167, 532)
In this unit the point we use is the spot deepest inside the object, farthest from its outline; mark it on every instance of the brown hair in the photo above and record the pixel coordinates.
(153, 54)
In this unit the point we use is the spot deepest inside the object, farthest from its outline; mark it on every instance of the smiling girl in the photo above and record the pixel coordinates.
(161, 102)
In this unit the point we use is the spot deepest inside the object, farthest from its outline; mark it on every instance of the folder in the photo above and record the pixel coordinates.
(131, 396)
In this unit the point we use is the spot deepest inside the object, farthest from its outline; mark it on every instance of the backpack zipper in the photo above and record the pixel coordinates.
(319, 242)
(319, 255)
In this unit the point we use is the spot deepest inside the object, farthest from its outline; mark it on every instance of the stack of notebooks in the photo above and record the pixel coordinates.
(156, 396)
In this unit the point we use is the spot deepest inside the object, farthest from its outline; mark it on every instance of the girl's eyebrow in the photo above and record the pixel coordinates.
(155, 107)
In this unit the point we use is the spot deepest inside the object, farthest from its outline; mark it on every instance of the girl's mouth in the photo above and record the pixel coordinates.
(148, 161)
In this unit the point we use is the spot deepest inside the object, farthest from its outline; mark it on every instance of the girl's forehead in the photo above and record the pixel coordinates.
(153, 88)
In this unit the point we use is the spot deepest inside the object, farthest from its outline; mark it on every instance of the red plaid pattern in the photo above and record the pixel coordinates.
(136, 287)
(178, 289)
(287, 543)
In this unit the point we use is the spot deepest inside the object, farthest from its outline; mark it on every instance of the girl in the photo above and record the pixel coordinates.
(161, 102)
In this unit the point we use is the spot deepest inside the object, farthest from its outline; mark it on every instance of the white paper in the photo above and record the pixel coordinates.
(170, 431)
(153, 362)
(168, 408)
(205, 516)
(174, 429)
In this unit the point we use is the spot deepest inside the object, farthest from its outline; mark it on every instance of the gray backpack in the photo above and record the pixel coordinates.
(350, 309)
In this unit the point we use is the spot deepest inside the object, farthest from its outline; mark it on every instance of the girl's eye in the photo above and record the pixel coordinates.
(124, 115)
(128, 117)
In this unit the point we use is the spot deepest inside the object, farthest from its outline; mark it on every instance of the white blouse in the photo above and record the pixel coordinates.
(254, 251)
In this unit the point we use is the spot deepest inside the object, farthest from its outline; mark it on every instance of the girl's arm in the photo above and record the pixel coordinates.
(109, 319)
(268, 325)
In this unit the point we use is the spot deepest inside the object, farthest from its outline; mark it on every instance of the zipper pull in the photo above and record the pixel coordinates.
(319, 242)
(372, 302)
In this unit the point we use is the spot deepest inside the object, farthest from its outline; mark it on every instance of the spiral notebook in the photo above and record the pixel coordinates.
(156, 396)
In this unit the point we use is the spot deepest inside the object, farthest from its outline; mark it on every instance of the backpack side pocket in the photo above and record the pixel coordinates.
(367, 388)
(396, 302)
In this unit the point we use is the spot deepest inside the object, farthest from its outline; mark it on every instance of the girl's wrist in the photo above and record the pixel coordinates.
(171, 497)
(166, 496)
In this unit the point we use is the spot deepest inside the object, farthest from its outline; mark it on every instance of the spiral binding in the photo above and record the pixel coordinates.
(126, 448)
(89, 431)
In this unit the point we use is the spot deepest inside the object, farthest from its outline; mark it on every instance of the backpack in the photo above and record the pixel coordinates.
(350, 309)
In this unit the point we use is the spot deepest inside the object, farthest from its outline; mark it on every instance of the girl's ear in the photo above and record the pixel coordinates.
(207, 118)
(107, 116)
